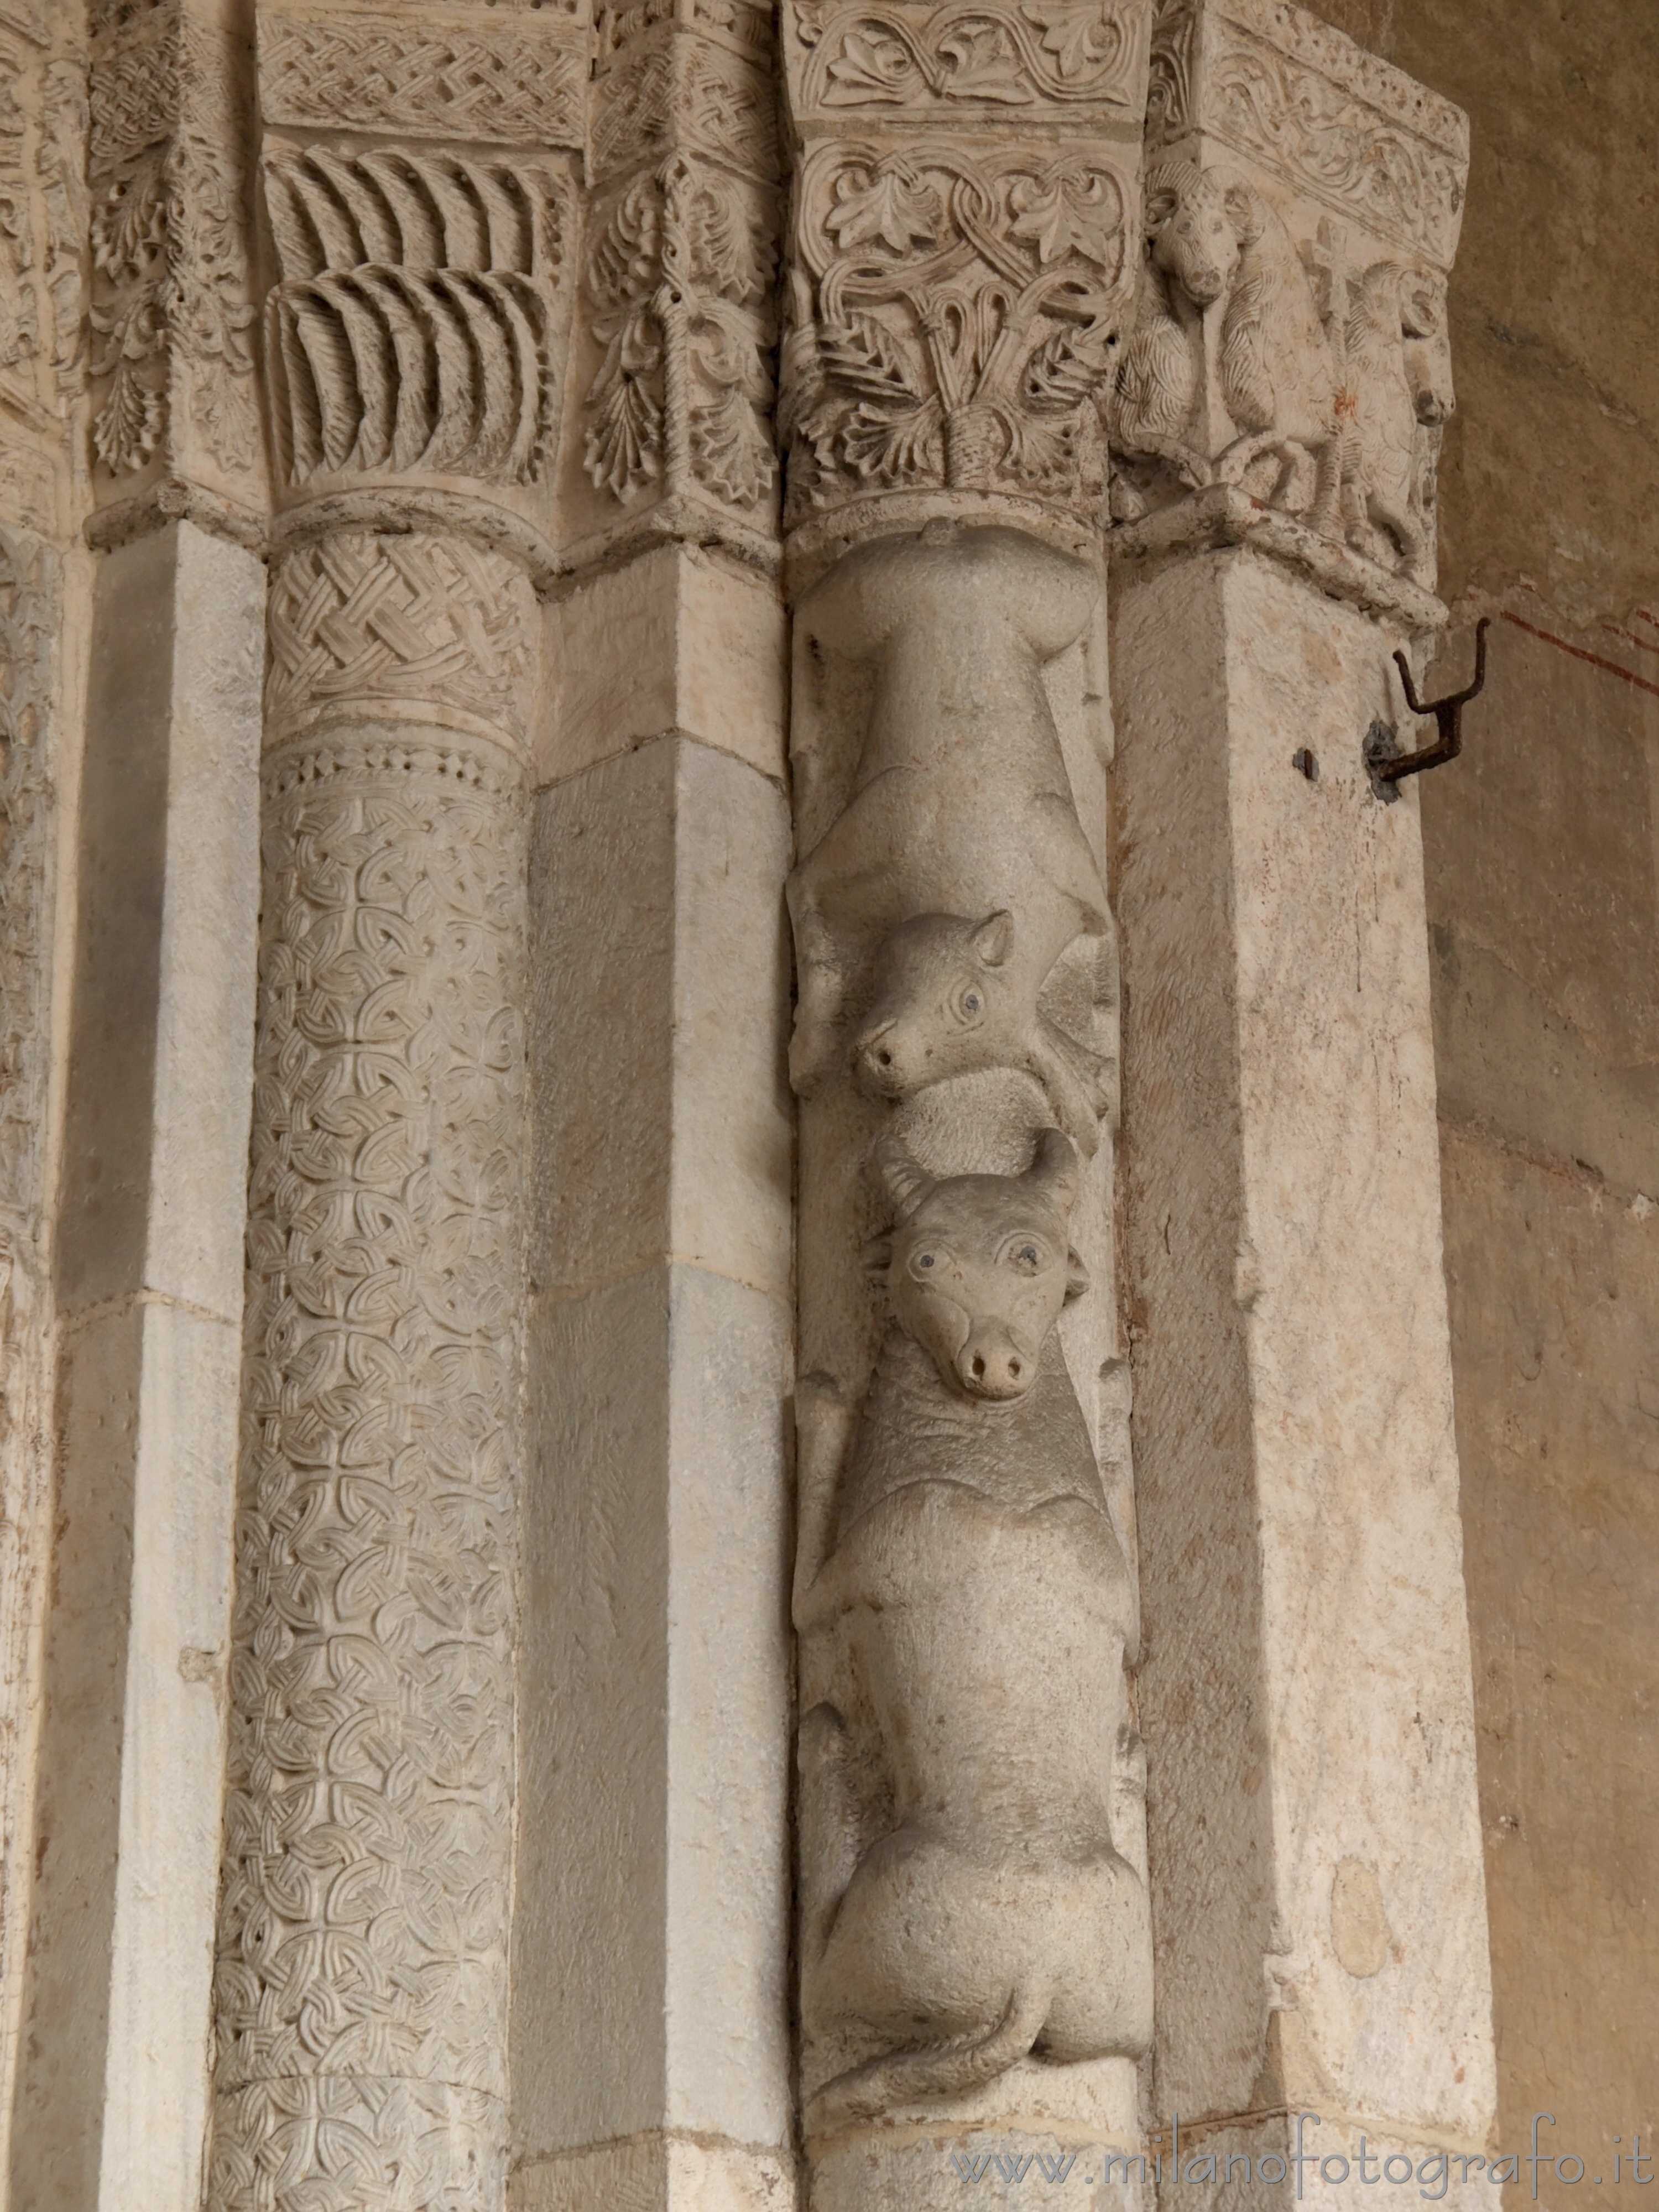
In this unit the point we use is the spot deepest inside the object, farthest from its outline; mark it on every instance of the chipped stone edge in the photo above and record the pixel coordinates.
(1222, 516)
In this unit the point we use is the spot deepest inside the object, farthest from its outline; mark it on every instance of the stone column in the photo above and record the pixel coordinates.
(1315, 1854)
(651, 2036)
(159, 675)
(362, 1934)
(414, 346)
(974, 1938)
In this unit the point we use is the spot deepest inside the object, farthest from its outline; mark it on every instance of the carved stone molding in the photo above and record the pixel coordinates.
(1003, 60)
(674, 339)
(171, 358)
(361, 1976)
(418, 327)
(1274, 83)
(515, 76)
(399, 629)
(954, 297)
(1290, 337)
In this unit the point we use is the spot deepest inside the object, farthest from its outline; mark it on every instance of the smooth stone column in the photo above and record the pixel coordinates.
(1318, 1899)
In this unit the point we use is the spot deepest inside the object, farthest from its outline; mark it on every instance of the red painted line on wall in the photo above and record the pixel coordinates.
(1578, 653)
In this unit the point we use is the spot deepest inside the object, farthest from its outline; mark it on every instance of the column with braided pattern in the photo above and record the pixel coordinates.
(362, 1976)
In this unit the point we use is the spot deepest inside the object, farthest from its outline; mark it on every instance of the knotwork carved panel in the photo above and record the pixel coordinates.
(520, 81)
(404, 629)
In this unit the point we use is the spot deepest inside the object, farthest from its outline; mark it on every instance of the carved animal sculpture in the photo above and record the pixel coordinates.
(1380, 466)
(964, 1642)
(1429, 372)
(958, 874)
(1228, 361)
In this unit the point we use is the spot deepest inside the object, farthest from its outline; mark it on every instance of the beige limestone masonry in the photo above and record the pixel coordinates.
(662, 461)
(1283, 1223)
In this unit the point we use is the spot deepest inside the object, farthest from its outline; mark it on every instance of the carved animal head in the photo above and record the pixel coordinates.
(1197, 223)
(948, 1001)
(978, 1267)
(1428, 345)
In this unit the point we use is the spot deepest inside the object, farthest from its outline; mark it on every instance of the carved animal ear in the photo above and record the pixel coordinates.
(994, 940)
(1419, 306)
(908, 1182)
(1243, 212)
(1077, 1277)
(877, 1256)
(1054, 1168)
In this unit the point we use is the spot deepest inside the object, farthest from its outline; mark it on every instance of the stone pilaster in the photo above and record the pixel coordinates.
(158, 665)
(1318, 1901)
(974, 1938)
(651, 2037)
(42, 169)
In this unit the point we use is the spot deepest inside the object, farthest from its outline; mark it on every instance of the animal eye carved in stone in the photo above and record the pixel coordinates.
(924, 1262)
(970, 1005)
(1026, 1255)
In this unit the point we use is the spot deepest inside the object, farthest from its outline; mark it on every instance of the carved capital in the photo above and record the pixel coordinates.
(677, 329)
(961, 252)
(417, 331)
(1290, 336)
(170, 356)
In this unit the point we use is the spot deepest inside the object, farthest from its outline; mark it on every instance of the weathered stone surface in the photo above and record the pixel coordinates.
(1543, 897)
(112, 2094)
(1298, 1482)
(676, 640)
(660, 970)
(653, 1881)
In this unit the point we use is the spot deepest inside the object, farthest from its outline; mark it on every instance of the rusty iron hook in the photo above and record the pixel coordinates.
(1449, 718)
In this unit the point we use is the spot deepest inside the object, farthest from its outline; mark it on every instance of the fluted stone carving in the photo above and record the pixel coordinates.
(974, 1937)
(418, 322)
(361, 1975)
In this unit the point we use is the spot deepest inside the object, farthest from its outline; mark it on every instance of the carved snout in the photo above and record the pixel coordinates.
(992, 1364)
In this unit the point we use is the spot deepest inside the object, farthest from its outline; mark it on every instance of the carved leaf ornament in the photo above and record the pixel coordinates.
(1063, 51)
(679, 275)
(413, 325)
(964, 309)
